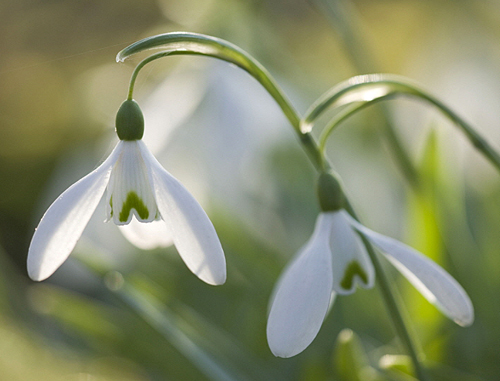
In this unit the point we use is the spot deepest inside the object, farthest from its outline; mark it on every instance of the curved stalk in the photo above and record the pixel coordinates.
(369, 89)
(184, 43)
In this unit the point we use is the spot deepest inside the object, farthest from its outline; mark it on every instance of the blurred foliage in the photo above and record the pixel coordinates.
(151, 319)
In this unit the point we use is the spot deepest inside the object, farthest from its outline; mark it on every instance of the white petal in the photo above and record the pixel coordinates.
(350, 262)
(193, 234)
(130, 191)
(147, 235)
(433, 282)
(64, 221)
(301, 297)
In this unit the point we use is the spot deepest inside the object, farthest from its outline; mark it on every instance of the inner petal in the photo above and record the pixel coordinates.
(352, 270)
(129, 190)
(350, 262)
(133, 202)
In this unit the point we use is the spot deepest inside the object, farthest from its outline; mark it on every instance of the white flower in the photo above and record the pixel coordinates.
(137, 185)
(331, 263)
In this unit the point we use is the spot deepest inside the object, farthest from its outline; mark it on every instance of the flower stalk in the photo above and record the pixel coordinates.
(184, 43)
(392, 304)
(365, 90)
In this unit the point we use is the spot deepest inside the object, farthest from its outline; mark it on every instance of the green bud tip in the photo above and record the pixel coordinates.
(330, 194)
(129, 121)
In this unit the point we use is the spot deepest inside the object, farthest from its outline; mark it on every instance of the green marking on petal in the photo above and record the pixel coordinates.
(353, 269)
(111, 206)
(133, 201)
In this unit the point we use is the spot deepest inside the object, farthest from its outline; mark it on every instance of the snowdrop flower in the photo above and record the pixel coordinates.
(137, 185)
(334, 261)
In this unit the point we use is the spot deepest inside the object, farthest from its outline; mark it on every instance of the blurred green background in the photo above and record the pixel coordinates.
(141, 315)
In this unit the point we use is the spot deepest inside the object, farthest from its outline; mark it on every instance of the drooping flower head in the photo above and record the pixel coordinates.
(334, 261)
(137, 186)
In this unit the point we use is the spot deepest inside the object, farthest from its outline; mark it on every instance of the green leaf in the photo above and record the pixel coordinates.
(175, 329)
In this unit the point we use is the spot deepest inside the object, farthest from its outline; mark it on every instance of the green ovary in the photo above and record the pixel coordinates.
(353, 269)
(133, 201)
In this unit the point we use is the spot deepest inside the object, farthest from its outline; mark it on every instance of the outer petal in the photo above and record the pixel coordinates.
(433, 282)
(193, 234)
(147, 236)
(302, 297)
(350, 262)
(64, 221)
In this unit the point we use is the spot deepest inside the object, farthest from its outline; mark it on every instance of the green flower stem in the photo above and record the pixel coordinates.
(392, 302)
(194, 44)
(370, 89)
(309, 145)
(476, 140)
(184, 43)
(138, 69)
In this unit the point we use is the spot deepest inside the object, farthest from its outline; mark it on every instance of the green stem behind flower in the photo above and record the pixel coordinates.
(392, 302)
